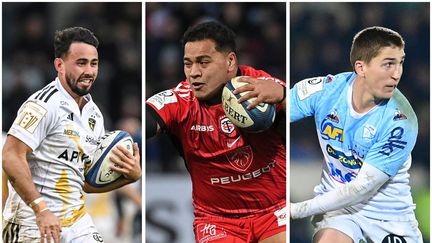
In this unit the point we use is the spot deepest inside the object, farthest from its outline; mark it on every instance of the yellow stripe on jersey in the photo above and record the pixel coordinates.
(76, 214)
(64, 190)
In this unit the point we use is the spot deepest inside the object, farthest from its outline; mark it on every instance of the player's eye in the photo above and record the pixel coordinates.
(204, 63)
(388, 65)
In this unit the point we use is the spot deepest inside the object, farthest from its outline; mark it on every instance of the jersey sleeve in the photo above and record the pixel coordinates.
(165, 106)
(304, 97)
(394, 147)
(33, 122)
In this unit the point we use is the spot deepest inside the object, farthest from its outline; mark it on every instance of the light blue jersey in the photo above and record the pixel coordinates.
(382, 137)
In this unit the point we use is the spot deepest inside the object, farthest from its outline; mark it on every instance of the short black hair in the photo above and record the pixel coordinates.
(223, 36)
(368, 43)
(64, 38)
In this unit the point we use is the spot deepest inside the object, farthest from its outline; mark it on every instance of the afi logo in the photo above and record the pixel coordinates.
(328, 131)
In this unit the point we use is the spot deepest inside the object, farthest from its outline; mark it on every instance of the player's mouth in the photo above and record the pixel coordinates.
(86, 81)
(197, 85)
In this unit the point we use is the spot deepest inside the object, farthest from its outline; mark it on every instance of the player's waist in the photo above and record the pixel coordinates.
(239, 213)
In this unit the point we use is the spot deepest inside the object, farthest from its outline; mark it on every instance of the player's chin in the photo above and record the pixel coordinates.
(201, 96)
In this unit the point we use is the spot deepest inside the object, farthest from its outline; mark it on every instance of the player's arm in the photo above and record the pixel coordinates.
(16, 168)
(5, 190)
(152, 126)
(264, 90)
(367, 183)
(129, 167)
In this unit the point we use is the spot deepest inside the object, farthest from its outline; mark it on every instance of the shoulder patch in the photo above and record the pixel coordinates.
(308, 87)
(30, 117)
(163, 98)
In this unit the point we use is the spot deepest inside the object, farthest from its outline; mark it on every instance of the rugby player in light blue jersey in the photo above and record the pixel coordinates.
(367, 130)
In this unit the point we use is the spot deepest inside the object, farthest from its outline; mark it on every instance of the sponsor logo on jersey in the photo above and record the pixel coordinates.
(97, 237)
(394, 141)
(210, 232)
(240, 158)
(74, 156)
(369, 131)
(163, 98)
(399, 116)
(226, 125)
(331, 132)
(91, 140)
(339, 175)
(243, 177)
(30, 117)
(308, 87)
(281, 216)
(333, 117)
(202, 128)
(347, 161)
(71, 133)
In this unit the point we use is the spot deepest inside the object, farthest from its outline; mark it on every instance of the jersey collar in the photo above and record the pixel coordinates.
(60, 87)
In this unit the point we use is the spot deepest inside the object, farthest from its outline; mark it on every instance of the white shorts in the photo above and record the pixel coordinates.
(362, 229)
(83, 230)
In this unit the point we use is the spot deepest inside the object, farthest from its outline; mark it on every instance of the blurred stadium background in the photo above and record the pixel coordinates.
(28, 54)
(320, 41)
(261, 39)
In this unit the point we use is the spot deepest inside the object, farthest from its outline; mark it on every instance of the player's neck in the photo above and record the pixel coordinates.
(362, 101)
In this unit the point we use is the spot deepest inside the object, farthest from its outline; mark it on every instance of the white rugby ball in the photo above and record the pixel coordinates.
(99, 172)
(255, 120)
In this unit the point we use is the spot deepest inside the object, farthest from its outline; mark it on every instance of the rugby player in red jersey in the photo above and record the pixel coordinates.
(238, 178)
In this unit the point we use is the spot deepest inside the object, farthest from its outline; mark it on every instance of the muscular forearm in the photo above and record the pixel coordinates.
(18, 173)
(367, 183)
(117, 184)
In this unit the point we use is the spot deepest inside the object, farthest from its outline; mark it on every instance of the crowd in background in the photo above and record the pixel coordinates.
(320, 40)
(261, 42)
(28, 53)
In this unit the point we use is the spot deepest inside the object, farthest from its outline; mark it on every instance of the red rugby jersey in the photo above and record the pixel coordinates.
(233, 173)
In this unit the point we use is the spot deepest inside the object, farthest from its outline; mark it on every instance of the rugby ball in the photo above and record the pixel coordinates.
(99, 172)
(257, 119)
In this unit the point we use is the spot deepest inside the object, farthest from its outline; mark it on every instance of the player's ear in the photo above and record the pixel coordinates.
(59, 65)
(232, 61)
(359, 67)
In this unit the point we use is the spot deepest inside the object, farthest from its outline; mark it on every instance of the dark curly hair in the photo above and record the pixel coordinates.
(223, 36)
(64, 38)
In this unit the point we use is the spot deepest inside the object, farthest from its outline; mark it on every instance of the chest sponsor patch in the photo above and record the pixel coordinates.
(241, 158)
(31, 116)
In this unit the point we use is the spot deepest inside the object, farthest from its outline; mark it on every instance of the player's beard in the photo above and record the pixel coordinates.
(73, 84)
